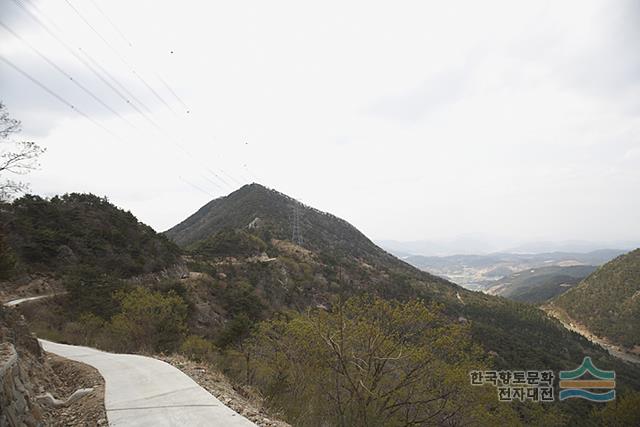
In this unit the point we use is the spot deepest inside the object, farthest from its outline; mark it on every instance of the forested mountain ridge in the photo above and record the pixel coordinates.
(335, 259)
(53, 235)
(608, 300)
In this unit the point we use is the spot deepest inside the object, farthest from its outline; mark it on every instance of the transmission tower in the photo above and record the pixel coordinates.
(296, 235)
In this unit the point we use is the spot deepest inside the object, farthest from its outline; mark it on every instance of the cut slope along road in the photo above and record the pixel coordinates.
(142, 391)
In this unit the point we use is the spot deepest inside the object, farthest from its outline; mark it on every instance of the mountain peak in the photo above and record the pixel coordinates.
(281, 215)
(258, 190)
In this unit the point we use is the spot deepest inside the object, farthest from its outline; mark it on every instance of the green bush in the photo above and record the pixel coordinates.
(237, 243)
(149, 321)
(91, 291)
(235, 331)
(87, 330)
(198, 348)
(7, 259)
(622, 412)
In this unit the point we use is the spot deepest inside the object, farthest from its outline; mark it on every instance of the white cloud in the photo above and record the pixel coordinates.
(517, 119)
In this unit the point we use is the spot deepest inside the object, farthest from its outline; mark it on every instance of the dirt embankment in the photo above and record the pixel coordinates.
(28, 374)
(572, 325)
(241, 399)
(69, 377)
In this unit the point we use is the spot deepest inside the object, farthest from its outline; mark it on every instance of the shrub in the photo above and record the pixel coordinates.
(91, 291)
(230, 243)
(621, 412)
(88, 329)
(235, 331)
(371, 362)
(149, 321)
(7, 259)
(198, 348)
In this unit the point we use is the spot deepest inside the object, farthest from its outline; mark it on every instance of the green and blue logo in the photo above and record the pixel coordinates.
(571, 386)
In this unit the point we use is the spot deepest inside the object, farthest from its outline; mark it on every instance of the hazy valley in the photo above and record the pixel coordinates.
(482, 272)
(319, 214)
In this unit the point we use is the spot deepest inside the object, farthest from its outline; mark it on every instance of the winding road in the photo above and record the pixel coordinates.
(19, 301)
(145, 392)
(142, 391)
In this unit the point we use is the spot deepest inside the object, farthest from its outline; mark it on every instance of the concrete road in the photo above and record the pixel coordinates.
(142, 391)
(16, 302)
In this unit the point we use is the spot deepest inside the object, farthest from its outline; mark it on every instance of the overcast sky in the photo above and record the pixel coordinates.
(412, 120)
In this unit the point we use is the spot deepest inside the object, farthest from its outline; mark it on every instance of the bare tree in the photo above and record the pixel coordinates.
(16, 157)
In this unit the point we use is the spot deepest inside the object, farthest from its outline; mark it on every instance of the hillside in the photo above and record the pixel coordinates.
(539, 284)
(64, 232)
(272, 212)
(335, 258)
(267, 273)
(252, 299)
(608, 300)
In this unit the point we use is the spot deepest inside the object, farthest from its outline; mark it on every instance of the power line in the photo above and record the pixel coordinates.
(115, 51)
(38, 21)
(128, 42)
(80, 112)
(151, 121)
(120, 85)
(196, 187)
(74, 108)
(85, 62)
(111, 86)
(111, 23)
(55, 95)
(139, 77)
(21, 4)
(91, 67)
(218, 176)
(231, 178)
(215, 184)
(64, 73)
(175, 95)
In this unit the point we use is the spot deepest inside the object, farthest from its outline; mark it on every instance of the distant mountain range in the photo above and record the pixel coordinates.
(477, 244)
(479, 272)
(467, 244)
